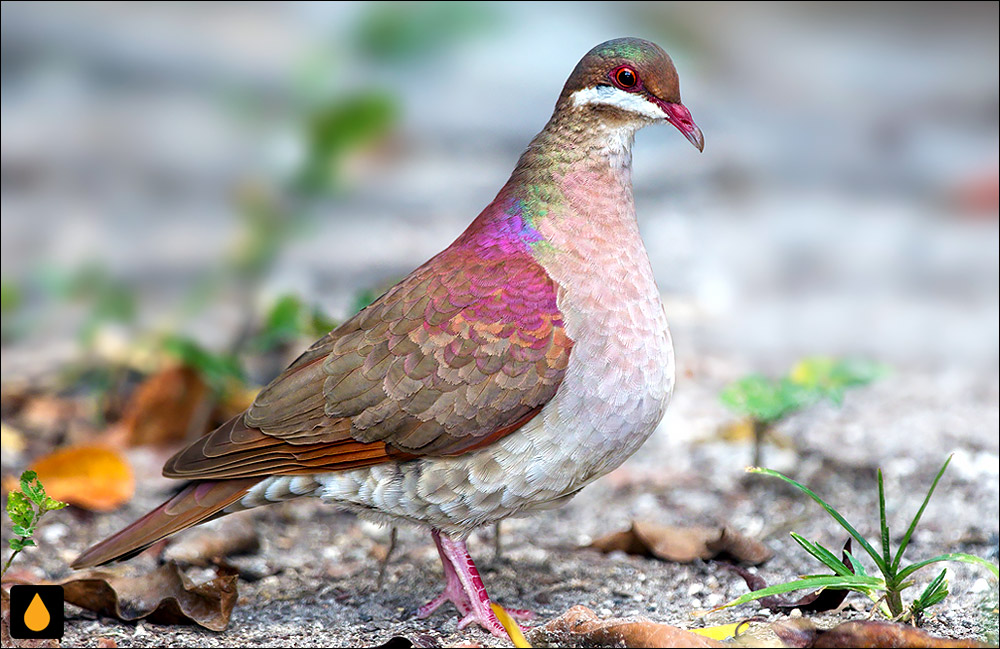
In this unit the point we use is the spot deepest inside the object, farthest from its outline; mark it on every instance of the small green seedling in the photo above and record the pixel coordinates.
(288, 320)
(25, 508)
(765, 401)
(218, 369)
(885, 590)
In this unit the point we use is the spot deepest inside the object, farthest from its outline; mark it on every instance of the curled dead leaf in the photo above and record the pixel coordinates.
(89, 476)
(580, 627)
(684, 544)
(164, 596)
(225, 537)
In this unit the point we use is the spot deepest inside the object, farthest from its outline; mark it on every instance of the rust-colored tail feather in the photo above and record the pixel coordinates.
(196, 503)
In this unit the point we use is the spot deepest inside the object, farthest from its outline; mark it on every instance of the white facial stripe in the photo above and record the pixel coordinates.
(611, 96)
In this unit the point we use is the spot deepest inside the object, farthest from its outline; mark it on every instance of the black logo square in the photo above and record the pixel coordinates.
(36, 612)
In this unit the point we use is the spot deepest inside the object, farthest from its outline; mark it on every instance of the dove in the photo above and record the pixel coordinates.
(527, 359)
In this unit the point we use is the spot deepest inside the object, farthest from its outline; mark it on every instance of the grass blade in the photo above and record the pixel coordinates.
(916, 519)
(883, 525)
(859, 569)
(855, 583)
(832, 512)
(952, 556)
(824, 555)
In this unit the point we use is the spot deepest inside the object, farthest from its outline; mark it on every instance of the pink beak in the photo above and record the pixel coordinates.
(680, 117)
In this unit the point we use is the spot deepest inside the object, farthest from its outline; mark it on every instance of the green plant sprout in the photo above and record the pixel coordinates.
(25, 509)
(765, 401)
(219, 370)
(288, 320)
(885, 590)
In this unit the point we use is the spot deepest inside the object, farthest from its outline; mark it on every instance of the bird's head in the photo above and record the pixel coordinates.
(631, 82)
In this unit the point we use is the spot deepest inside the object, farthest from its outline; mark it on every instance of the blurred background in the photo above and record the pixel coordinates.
(194, 192)
(191, 168)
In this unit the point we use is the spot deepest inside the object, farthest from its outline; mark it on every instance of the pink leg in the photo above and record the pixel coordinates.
(464, 588)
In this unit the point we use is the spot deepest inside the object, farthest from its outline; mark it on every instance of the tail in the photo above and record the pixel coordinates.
(196, 503)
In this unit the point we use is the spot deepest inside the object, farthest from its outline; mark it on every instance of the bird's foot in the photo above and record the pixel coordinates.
(464, 589)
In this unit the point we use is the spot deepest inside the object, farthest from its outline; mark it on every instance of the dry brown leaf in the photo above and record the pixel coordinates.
(225, 537)
(684, 544)
(88, 476)
(162, 408)
(164, 596)
(737, 546)
(868, 633)
(580, 627)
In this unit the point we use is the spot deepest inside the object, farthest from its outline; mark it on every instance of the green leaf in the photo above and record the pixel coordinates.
(11, 296)
(52, 504)
(282, 325)
(217, 369)
(883, 567)
(883, 525)
(764, 399)
(32, 487)
(320, 323)
(952, 556)
(935, 591)
(824, 555)
(339, 128)
(829, 377)
(404, 31)
(859, 569)
(853, 582)
(916, 519)
(19, 509)
(288, 319)
(363, 298)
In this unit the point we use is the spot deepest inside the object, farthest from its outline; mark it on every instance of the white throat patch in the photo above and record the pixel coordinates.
(611, 96)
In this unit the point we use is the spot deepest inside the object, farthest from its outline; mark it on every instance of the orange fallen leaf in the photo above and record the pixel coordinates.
(580, 627)
(684, 544)
(92, 477)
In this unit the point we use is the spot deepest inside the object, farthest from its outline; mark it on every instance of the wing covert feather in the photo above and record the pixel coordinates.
(465, 350)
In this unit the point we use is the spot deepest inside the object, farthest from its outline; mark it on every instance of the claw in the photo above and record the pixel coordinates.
(464, 588)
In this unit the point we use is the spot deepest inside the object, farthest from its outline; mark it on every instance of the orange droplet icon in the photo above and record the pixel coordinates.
(36, 617)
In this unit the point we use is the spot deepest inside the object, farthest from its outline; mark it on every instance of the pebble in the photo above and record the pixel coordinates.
(980, 586)
(53, 532)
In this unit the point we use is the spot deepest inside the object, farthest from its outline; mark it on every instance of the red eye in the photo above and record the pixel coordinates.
(625, 77)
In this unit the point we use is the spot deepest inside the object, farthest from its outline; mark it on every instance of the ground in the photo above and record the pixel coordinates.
(313, 583)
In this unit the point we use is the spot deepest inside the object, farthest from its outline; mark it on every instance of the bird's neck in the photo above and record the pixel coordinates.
(575, 142)
(572, 187)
